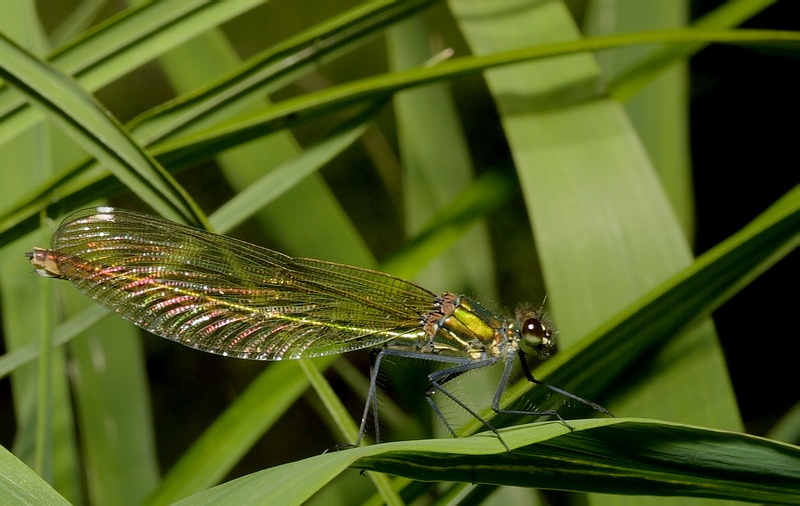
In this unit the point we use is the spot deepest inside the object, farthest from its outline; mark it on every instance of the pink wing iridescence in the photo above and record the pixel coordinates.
(226, 296)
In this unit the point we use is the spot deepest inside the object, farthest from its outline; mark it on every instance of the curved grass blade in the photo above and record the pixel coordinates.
(91, 126)
(431, 138)
(221, 446)
(204, 144)
(344, 423)
(637, 77)
(685, 298)
(284, 177)
(212, 141)
(628, 456)
(260, 74)
(20, 485)
(269, 71)
(118, 46)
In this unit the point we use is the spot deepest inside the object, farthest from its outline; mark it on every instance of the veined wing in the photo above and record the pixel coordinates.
(226, 296)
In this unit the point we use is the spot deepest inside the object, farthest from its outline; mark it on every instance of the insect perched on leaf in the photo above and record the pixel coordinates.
(229, 297)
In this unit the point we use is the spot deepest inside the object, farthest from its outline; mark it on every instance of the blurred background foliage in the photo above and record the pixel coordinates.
(366, 203)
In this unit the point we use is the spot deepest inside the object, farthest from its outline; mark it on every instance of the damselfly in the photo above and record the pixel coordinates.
(226, 296)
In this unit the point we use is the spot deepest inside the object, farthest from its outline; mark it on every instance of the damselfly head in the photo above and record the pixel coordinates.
(536, 335)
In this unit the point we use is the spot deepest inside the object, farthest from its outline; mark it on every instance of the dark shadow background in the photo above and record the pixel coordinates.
(744, 110)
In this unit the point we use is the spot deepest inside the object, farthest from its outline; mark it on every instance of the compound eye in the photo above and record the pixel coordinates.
(535, 333)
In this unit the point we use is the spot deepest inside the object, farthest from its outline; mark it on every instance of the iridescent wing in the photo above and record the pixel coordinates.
(226, 296)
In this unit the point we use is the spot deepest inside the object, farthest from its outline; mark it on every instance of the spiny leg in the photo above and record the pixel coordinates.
(529, 375)
(439, 378)
(372, 398)
(436, 379)
(501, 387)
